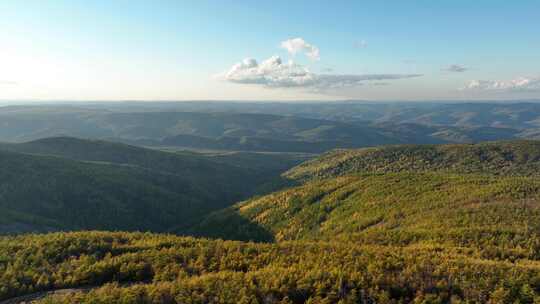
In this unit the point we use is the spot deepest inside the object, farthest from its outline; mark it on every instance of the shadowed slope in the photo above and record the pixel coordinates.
(70, 183)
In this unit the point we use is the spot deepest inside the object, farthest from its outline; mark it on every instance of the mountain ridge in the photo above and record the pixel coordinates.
(69, 183)
(517, 157)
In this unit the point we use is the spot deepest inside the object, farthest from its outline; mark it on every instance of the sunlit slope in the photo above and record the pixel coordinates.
(152, 268)
(392, 208)
(500, 158)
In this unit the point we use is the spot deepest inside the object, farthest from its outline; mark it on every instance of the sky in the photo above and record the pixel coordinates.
(269, 50)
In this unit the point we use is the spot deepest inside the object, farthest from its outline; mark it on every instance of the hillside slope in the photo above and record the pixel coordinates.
(483, 194)
(392, 233)
(215, 171)
(392, 208)
(501, 158)
(69, 183)
(65, 194)
(161, 269)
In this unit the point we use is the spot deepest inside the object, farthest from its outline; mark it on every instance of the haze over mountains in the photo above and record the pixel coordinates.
(278, 127)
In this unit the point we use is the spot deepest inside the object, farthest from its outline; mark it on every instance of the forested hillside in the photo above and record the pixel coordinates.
(68, 183)
(269, 152)
(66, 194)
(198, 167)
(499, 158)
(398, 224)
(396, 208)
(397, 195)
(149, 268)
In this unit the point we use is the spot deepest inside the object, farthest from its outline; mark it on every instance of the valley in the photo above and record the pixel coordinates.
(269, 152)
(374, 221)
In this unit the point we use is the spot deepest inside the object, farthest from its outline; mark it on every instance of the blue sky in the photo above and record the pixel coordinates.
(183, 50)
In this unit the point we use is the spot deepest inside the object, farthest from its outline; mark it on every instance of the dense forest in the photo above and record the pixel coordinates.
(269, 152)
(397, 208)
(394, 224)
(68, 183)
(515, 158)
(149, 268)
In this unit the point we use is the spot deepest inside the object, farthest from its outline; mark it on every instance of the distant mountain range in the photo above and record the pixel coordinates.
(274, 127)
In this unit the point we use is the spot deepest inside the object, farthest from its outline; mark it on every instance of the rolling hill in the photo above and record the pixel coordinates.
(408, 224)
(474, 195)
(394, 208)
(310, 128)
(514, 114)
(65, 194)
(196, 166)
(226, 131)
(501, 158)
(72, 184)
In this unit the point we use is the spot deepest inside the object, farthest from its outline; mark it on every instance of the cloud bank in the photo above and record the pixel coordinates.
(518, 84)
(298, 45)
(274, 73)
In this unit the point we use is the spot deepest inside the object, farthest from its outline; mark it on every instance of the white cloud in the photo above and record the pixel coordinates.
(299, 45)
(457, 68)
(518, 84)
(274, 73)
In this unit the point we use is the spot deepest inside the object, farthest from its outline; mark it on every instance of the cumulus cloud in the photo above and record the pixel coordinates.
(518, 84)
(299, 45)
(457, 68)
(274, 73)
